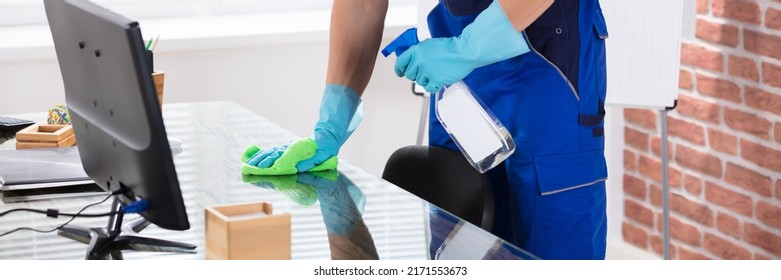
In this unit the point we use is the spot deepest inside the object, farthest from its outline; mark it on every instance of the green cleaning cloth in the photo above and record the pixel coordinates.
(286, 164)
(304, 192)
(288, 185)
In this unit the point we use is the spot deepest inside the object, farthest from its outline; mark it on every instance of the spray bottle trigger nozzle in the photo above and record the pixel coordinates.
(402, 43)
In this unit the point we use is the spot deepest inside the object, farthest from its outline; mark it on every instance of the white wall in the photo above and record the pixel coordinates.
(29, 86)
(282, 82)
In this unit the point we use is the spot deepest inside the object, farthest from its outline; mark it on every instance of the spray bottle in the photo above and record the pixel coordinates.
(479, 135)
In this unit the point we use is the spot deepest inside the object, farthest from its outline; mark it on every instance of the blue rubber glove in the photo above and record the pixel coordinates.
(341, 111)
(341, 202)
(438, 62)
(267, 156)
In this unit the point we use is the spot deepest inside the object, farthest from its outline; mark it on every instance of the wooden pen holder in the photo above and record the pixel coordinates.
(158, 78)
(45, 136)
(247, 232)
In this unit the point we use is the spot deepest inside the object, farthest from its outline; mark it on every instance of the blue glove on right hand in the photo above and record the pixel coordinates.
(438, 62)
(341, 111)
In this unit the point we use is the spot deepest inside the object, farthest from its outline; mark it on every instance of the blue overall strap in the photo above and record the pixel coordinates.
(594, 120)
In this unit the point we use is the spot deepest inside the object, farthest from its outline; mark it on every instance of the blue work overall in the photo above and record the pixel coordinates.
(550, 194)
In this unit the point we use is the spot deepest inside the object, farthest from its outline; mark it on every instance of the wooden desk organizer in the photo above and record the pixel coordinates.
(247, 232)
(45, 136)
(158, 77)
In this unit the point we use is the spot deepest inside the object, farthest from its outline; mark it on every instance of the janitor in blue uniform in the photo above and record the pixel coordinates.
(539, 65)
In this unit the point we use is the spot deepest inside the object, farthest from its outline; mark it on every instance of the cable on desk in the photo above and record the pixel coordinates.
(49, 212)
(54, 213)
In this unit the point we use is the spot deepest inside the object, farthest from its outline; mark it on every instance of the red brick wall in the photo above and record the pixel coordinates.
(724, 141)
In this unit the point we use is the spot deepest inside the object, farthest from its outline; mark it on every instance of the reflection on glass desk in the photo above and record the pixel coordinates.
(349, 214)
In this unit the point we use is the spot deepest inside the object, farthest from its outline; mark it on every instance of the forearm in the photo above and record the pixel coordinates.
(355, 35)
(523, 12)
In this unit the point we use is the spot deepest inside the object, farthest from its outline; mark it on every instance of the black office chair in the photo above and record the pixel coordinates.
(444, 178)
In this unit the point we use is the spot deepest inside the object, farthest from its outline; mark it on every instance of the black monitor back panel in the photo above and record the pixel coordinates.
(113, 106)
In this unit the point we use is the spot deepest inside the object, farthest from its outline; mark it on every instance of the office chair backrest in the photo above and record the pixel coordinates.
(444, 178)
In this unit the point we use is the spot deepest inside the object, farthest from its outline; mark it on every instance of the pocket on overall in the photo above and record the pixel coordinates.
(564, 172)
(570, 212)
(600, 27)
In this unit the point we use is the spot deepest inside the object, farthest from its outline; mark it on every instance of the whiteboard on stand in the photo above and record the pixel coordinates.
(643, 52)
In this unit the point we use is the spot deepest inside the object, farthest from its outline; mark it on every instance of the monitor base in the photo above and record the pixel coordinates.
(109, 242)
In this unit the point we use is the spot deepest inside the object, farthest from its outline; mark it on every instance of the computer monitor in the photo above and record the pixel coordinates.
(115, 114)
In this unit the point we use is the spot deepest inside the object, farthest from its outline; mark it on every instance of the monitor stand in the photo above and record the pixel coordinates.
(109, 242)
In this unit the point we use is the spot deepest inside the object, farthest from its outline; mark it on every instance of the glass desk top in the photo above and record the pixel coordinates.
(349, 214)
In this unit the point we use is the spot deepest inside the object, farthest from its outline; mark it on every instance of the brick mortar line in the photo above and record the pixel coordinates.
(712, 46)
(742, 53)
(713, 230)
(743, 107)
(742, 242)
(772, 118)
(765, 30)
(725, 158)
(725, 20)
(741, 83)
(755, 248)
(699, 250)
(755, 197)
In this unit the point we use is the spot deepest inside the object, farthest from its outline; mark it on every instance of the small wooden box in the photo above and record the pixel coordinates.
(158, 77)
(45, 136)
(247, 232)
